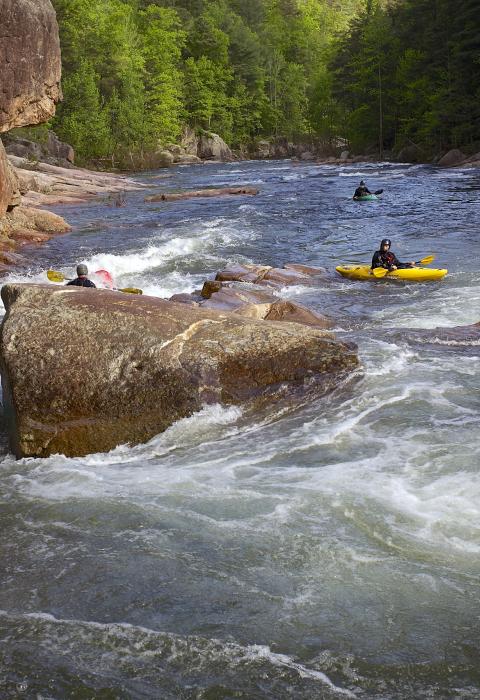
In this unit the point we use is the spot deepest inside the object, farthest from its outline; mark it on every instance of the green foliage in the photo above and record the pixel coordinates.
(38, 133)
(82, 120)
(428, 96)
(136, 72)
(163, 41)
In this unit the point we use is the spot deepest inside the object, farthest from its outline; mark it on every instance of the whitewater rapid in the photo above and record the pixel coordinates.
(325, 551)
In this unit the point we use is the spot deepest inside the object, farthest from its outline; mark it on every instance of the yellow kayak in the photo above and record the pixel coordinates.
(410, 274)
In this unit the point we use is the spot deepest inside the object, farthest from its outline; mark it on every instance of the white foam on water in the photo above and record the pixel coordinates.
(293, 177)
(97, 475)
(151, 257)
(129, 644)
(136, 267)
(360, 173)
(282, 660)
(290, 291)
(462, 308)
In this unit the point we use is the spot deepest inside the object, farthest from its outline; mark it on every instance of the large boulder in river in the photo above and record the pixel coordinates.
(30, 65)
(84, 370)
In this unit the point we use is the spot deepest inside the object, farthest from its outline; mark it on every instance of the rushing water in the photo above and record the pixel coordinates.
(328, 552)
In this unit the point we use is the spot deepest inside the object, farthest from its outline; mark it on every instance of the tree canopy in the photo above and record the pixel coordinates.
(374, 74)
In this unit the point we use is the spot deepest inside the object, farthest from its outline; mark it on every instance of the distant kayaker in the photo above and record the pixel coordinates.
(384, 258)
(81, 280)
(361, 190)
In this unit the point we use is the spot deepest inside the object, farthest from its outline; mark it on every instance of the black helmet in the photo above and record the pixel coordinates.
(362, 183)
(386, 241)
(82, 270)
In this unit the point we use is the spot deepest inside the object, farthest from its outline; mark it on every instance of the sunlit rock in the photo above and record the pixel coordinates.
(30, 73)
(289, 274)
(84, 370)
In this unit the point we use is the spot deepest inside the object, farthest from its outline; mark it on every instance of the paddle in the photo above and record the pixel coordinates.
(55, 276)
(382, 271)
(378, 192)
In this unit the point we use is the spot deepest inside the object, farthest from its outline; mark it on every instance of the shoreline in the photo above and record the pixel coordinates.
(41, 186)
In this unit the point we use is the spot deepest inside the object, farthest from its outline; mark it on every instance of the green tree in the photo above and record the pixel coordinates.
(81, 119)
(163, 41)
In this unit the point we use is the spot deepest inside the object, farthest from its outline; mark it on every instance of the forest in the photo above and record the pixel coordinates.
(374, 75)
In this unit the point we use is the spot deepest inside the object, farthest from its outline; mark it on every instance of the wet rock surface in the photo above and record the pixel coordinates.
(84, 370)
(231, 291)
(289, 274)
(210, 192)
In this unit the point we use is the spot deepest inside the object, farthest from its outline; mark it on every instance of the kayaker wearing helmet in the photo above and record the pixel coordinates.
(384, 258)
(361, 190)
(81, 280)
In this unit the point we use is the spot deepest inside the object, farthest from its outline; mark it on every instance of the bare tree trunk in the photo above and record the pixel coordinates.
(380, 130)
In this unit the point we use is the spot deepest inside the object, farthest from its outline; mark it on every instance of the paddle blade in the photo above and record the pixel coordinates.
(131, 290)
(55, 276)
(426, 261)
(378, 192)
(379, 271)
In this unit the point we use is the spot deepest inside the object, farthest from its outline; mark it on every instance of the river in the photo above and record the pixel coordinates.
(327, 552)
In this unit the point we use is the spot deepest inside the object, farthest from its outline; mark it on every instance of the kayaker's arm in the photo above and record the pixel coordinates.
(377, 261)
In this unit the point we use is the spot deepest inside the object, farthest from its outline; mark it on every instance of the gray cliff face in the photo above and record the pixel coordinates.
(85, 370)
(29, 63)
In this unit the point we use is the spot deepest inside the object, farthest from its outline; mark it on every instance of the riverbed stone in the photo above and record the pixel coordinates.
(210, 192)
(84, 370)
(289, 274)
(258, 304)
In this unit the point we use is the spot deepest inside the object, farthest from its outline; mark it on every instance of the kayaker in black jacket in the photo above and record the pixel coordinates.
(81, 280)
(384, 258)
(361, 190)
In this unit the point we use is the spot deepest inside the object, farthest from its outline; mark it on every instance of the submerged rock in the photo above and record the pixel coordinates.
(460, 339)
(289, 274)
(84, 370)
(211, 192)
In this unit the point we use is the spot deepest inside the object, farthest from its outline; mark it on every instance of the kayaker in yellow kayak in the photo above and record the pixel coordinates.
(385, 258)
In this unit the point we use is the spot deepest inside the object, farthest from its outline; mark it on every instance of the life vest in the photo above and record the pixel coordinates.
(387, 258)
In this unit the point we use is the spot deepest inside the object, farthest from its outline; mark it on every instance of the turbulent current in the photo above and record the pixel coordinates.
(332, 551)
